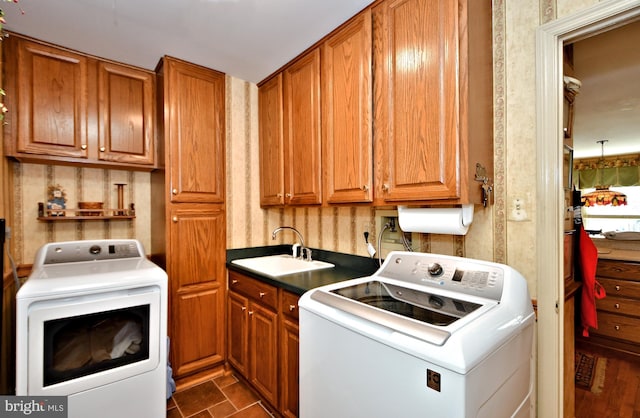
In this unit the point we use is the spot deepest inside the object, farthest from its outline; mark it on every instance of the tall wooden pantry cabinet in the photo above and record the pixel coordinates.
(188, 213)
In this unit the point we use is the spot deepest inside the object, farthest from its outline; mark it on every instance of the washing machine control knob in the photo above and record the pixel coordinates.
(95, 249)
(435, 270)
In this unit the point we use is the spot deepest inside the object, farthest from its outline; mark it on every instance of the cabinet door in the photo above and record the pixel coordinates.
(302, 131)
(52, 101)
(346, 113)
(238, 330)
(271, 143)
(290, 342)
(196, 268)
(263, 351)
(194, 100)
(125, 114)
(416, 100)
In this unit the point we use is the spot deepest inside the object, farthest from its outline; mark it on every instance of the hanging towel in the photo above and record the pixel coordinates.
(591, 289)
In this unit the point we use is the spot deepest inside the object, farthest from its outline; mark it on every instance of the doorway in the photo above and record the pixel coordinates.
(550, 39)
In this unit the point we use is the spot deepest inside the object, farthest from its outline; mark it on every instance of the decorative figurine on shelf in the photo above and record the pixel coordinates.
(57, 200)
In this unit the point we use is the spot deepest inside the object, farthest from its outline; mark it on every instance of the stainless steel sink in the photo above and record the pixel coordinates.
(280, 265)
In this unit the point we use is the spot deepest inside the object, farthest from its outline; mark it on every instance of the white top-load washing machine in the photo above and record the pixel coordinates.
(91, 326)
(426, 336)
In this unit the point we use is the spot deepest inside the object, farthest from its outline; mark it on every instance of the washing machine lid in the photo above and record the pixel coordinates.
(418, 313)
(430, 308)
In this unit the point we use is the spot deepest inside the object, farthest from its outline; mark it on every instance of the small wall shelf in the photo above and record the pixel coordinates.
(84, 214)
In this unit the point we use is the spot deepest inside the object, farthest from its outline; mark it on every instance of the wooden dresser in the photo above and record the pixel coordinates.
(619, 311)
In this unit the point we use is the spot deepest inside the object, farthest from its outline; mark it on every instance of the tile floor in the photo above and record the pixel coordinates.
(224, 396)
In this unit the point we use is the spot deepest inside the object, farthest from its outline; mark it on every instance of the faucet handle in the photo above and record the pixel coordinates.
(307, 253)
(295, 248)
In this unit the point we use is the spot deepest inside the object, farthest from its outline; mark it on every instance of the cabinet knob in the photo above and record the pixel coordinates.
(617, 306)
(83, 146)
(102, 149)
(385, 187)
(262, 294)
(174, 219)
(250, 312)
(288, 195)
(278, 195)
(234, 281)
(292, 308)
(174, 191)
(365, 188)
(617, 327)
(617, 287)
(244, 308)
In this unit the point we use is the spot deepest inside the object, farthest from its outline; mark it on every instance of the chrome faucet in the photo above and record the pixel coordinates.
(304, 251)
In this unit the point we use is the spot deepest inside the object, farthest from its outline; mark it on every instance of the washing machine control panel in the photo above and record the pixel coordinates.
(88, 250)
(463, 275)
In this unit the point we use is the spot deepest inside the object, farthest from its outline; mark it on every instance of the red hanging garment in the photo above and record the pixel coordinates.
(591, 289)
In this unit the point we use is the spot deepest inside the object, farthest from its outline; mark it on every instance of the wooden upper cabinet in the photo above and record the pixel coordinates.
(432, 100)
(126, 114)
(195, 124)
(271, 142)
(346, 113)
(51, 89)
(302, 146)
(70, 108)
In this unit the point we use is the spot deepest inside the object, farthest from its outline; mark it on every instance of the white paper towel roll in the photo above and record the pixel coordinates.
(452, 221)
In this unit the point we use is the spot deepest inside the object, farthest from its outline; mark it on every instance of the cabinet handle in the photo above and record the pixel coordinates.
(83, 146)
(102, 149)
(174, 191)
(292, 308)
(617, 327)
(174, 219)
(617, 287)
(262, 294)
(617, 306)
(234, 281)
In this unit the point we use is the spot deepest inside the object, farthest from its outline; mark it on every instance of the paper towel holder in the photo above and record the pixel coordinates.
(463, 215)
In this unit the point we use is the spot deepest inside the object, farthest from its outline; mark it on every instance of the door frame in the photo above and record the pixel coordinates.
(550, 39)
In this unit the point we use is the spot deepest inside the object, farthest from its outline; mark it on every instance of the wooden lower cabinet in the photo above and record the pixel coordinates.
(253, 333)
(197, 292)
(289, 355)
(262, 338)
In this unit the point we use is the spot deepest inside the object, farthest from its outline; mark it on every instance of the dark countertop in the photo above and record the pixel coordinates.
(347, 267)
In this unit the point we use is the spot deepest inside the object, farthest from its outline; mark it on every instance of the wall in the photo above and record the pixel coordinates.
(30, 186)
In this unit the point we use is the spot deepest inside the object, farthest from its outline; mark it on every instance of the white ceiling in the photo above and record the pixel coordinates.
(248, 39)
(608, 105)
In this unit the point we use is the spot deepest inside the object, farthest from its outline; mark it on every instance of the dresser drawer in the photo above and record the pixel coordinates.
(265, 293)
(617, 287)
(618, 326)
(619, 305)
(618, 269)
(289, 304)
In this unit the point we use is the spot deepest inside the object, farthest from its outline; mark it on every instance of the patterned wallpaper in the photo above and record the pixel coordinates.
(31, 182)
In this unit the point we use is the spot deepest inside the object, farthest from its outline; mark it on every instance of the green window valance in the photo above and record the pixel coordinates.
(614, 176)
